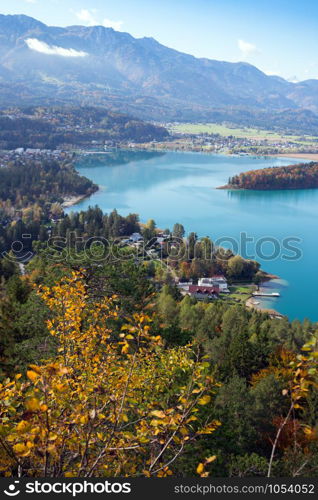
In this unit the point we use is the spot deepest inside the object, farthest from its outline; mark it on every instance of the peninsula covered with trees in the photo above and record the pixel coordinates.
(300, 176)
(36, 180)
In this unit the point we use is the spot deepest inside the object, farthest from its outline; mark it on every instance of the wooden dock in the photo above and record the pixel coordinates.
(266, 294)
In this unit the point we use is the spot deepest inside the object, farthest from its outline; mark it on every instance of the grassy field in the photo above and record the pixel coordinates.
(239, 294)
(245, 132)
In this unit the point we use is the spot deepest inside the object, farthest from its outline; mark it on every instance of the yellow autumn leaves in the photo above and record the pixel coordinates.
(201, 467)
(32, 375)
(114, 401)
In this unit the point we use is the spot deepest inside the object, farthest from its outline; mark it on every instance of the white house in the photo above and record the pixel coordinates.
(135, 237)
(184, 285)
(219, 281)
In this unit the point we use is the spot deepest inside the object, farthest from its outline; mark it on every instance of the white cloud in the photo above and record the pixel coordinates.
(88, 18)
(247, 49)
(30, 1)
(116, 25)
(54, 50)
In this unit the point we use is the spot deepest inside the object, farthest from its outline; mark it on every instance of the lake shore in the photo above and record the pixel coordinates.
(269, 276)
(69, 201)
(301, 156)
(251, 301)
(272, 312)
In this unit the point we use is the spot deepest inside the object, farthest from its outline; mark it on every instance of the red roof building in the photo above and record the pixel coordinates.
(207, 290)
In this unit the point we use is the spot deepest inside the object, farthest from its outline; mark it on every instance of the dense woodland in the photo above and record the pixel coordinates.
(224, 397)
(31, 192)
(24, 182)
(51, 127)
(240, 363)
(185, 257)
(301, 176)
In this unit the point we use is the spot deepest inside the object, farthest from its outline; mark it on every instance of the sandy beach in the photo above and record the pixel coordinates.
(72, 200)
(251, 301)
(250, 304)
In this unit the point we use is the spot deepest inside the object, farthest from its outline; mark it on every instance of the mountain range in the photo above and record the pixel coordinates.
(40, 64)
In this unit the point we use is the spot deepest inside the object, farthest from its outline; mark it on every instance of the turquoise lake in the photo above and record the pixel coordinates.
(181, 187)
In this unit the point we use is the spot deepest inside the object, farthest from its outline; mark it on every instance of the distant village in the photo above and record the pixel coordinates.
(216, 143)
(32, 154)
(84, 132)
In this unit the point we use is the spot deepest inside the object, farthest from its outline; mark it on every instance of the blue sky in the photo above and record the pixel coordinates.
(278, 36)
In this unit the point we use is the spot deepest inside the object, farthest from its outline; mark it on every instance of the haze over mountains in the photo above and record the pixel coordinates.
(96, 65)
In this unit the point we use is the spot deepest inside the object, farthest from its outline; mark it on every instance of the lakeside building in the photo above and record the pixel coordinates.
(219, 281)
(204, 292)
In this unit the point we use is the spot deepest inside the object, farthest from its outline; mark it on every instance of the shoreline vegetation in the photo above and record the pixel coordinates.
(272, 312)
(70, 201)
(299, 176)
(250, 303)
